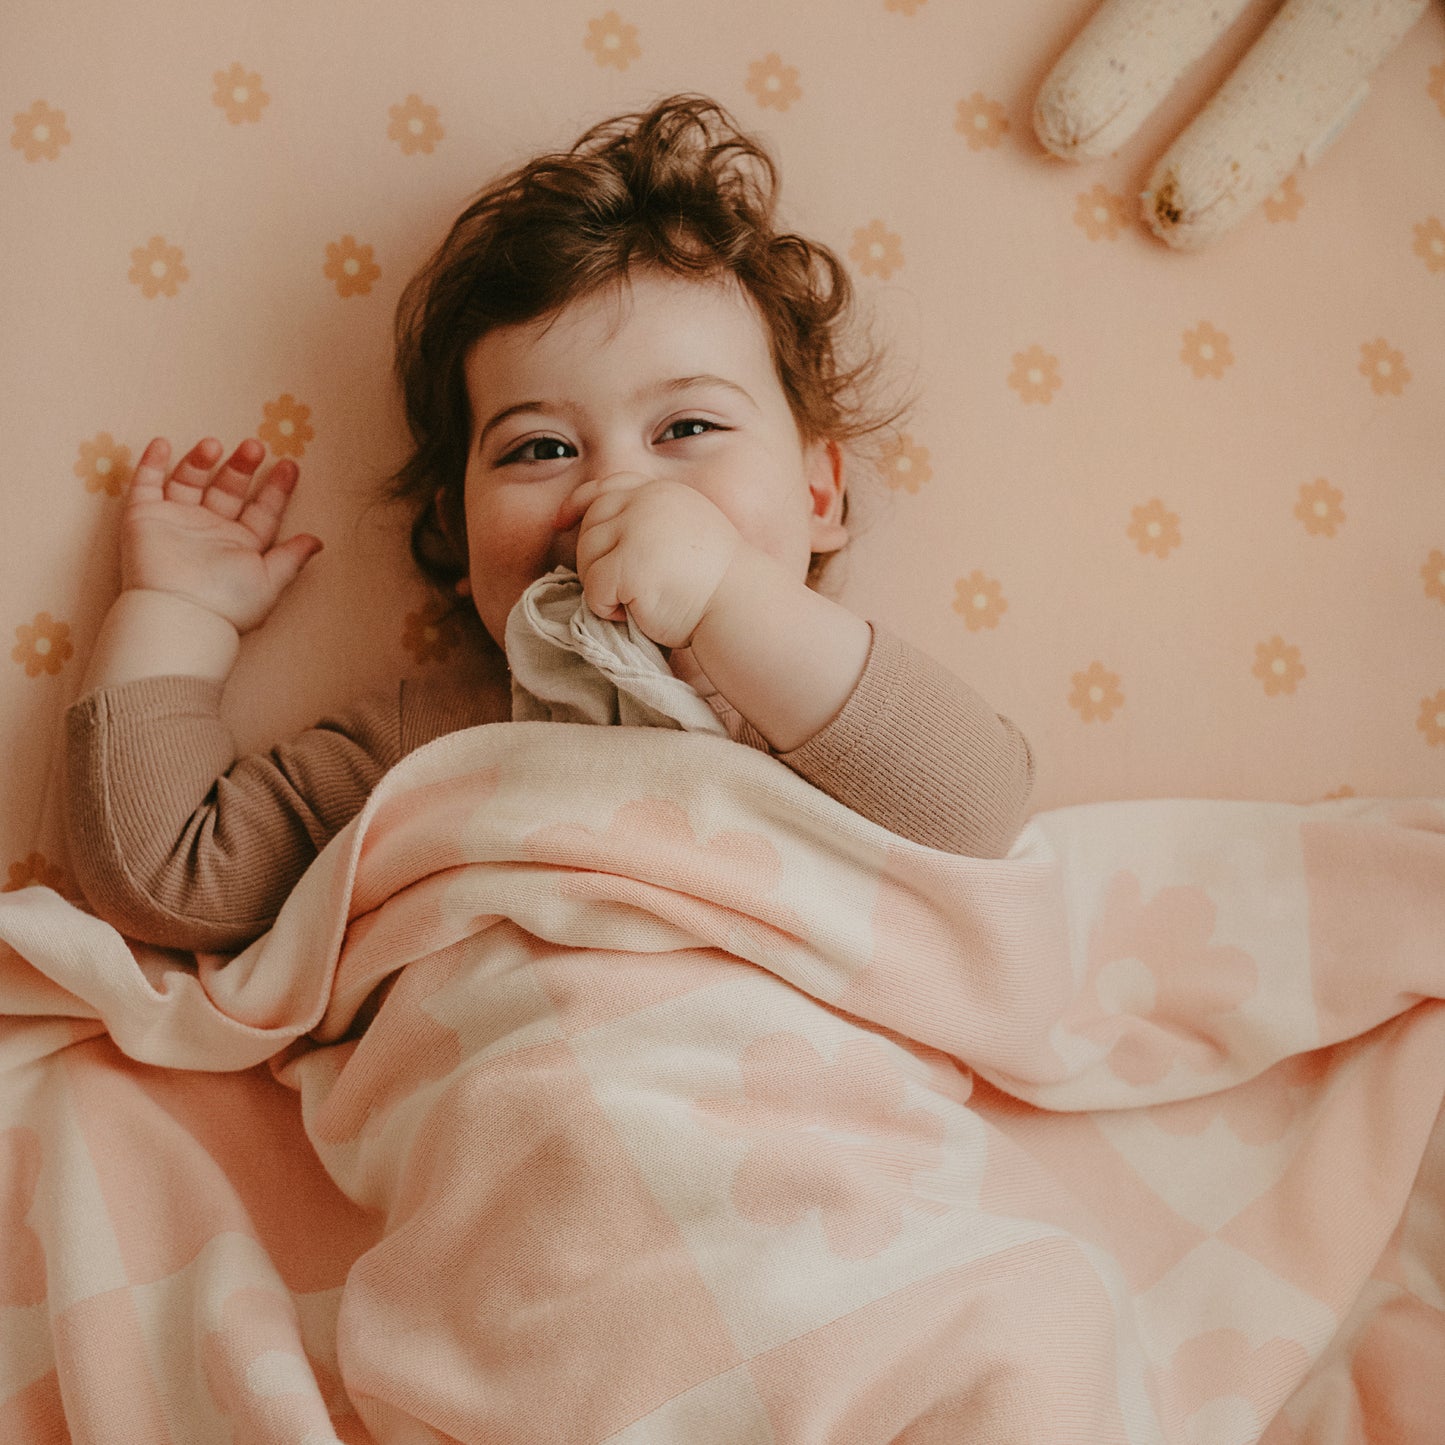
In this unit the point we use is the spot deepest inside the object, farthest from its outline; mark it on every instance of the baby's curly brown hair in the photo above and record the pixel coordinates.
(678, 187)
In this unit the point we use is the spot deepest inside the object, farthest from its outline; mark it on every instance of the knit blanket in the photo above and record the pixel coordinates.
(613, 1084)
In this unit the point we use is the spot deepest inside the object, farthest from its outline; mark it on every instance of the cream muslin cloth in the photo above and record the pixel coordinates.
(569, 665)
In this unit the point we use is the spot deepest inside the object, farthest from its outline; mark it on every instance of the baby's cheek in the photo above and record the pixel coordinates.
(765, 523)
(510, 530)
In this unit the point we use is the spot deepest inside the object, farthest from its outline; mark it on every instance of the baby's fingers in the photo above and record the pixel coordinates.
(187, 484)
(575, 506)
(264, 511)
(147, 484)
(602, 586)
(285, 561)
(227, 492)
(594, 542)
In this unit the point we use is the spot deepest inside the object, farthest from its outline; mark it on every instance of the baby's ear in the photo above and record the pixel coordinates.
(451, 521)
(827, 489)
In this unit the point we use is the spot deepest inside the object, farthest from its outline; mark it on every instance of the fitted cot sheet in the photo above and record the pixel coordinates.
(1181, 517)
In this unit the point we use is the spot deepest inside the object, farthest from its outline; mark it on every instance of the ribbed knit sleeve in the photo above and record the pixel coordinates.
(919, 752)
(176, 842)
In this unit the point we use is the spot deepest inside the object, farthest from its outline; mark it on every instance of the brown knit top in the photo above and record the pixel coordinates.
(178, 842)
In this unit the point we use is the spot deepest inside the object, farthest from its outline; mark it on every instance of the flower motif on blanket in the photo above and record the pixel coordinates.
(1191, 1385)
(1262, 1113)
(1152, 976)
(730, 878)
(831, 1137)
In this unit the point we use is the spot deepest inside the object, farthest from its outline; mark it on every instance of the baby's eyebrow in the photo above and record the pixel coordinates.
(513, 410)
(687, 383)
(657, 388)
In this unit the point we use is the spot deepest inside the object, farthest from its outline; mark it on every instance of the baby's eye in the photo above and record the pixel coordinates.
(525, 452)
(692, 426)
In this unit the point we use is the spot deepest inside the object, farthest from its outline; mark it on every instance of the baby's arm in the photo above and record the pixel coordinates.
(895, 736)
(152, 800)
(660, 552)
(872, 722)
(786, 657)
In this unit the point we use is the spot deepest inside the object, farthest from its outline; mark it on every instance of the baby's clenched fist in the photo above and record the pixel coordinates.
(655, 550)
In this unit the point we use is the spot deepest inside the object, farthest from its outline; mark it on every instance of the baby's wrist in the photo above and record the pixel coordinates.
(176, 605)
(195, 628)
(786, 657)
(747, 570)
(755, 589)
(148, 633)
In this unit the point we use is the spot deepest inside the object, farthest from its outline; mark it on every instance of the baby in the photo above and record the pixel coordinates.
(615, 362)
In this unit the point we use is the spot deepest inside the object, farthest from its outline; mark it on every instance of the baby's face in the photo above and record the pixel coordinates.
(670, 378)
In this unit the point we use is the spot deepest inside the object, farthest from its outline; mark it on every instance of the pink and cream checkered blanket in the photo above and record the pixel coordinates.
(614, 1084)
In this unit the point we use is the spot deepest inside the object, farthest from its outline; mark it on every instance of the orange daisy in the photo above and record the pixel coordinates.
(1430, 243)
(238, 92)
(1286, 202)
(1319, 508)
(42, 645)
(1206, 351)
(1277, 665)
(1384, 366)
(1436, 89)
(1101, 213)
(1434, 574)
(981, 121)
(156, 268)
(611, 41)
(772, 83)
(103, 465)
(40, 132)
(1154, 528)
(285, 429)
(979, 600)
(36, 868)
(1096, 693)
(904, 7)
(1035, 375)
(1431, 719)
(432, 631)
(350, 266)
(877, 250)
(414, 126)
(906, 467)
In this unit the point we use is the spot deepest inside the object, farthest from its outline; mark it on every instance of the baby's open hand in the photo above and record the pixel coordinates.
(209, 538)
(657, 550)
